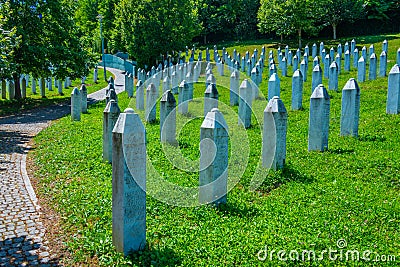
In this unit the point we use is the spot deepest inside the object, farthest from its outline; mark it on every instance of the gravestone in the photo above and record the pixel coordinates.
(393, 94)
(175, 84)
(306, 50)
(214, 153)
(286, 50)
(189, 81)
(350, 109)
(383, 64)
(274, 133)
(355, 58)
(323, 55)
(129, 183)
(290, 58)
(353, 46)
(314, 51)
(110, 117)
(83, 92)
(316, 77)
(168, 118)
(372, 67)
(274, 86)
(112, 94)
(321, 49)
(327, 63)
(95, 74)
(245, 104)
(361, 70)
(298, 54)
(346, 47)
(297, 90)
(338, 61)
(234, 88)
(318, 128)
(385, 46)
(333, 77)
(42, 87)
(50, 84)
(166, 84)
(284, 67)
(340, 50)
(139, 95)
(315, 62)
(364, 53)
(151, 103)
(272, 70)
(371, 50)
(331, 54)
(130, 89)
(59, 87)
(76, 105)
(295, 63)
(11, 89)
(347, 61)
(303, 69)
(183, 98)
(23, 88)
(210, 98)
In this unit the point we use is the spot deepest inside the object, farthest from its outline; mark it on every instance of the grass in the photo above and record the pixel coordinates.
(32, 101)
(350, 192)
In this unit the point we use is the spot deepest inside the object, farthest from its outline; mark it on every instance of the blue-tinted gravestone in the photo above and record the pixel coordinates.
(393, 95)
(110, 117)
(355, 58)
(350, 109)
(338, 61)
(315, 61)
(214, 153)
(284, 67)
(139, 95)
(383, 64)
(210, 98)
(347, 61)
(234, 89)
(295, 63)
(353, 46)
(168, 118)
(333, 77)
(326, 66)
(321, 49)
(129, 183)
(371, 50)
(274, 86)
(297, 90)
(316, 77)
(183, 97)
(372, 67)
(314, 51)
(385, 46)
(76, 105)
(331, 54)
(151, 103)
(303, 69)
(274, 133)
(361, 70)
(245, 104)
(318, 128)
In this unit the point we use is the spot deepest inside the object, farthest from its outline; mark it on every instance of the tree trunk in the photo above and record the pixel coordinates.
(299, 31)
(334, 30)
(205, 39)
(281, 38)
(17, 86)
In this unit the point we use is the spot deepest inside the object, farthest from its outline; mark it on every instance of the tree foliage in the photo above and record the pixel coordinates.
(338, 11)
(48, 41)
(150, 28)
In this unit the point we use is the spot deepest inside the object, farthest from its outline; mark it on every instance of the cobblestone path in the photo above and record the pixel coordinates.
(22, 234)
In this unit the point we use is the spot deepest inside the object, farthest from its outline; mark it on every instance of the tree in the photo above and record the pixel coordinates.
(288, 16)
(48, 41)
(149, 28)
(340, 10)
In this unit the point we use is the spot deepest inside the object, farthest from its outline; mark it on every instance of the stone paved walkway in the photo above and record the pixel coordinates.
(22, 234)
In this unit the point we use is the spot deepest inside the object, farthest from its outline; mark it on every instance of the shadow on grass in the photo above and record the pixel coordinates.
(371, 138)
(155, 256)
(340, 151)
(277, 178)
(242, 211)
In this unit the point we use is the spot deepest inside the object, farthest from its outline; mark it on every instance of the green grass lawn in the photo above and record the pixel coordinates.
(52, 97)
(350, 192)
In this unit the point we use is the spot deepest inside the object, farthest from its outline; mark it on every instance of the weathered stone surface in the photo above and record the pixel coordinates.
(129, 183)
(234, 88)
(274, 86)
(318, 128)
(393, 95)
(151, 103)
(297, 90)
(83, 92)
(213, 178)
(350, 109)
(110, 117)
(245, 104)
(140, 95)
(76, 105)
(274, 134)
